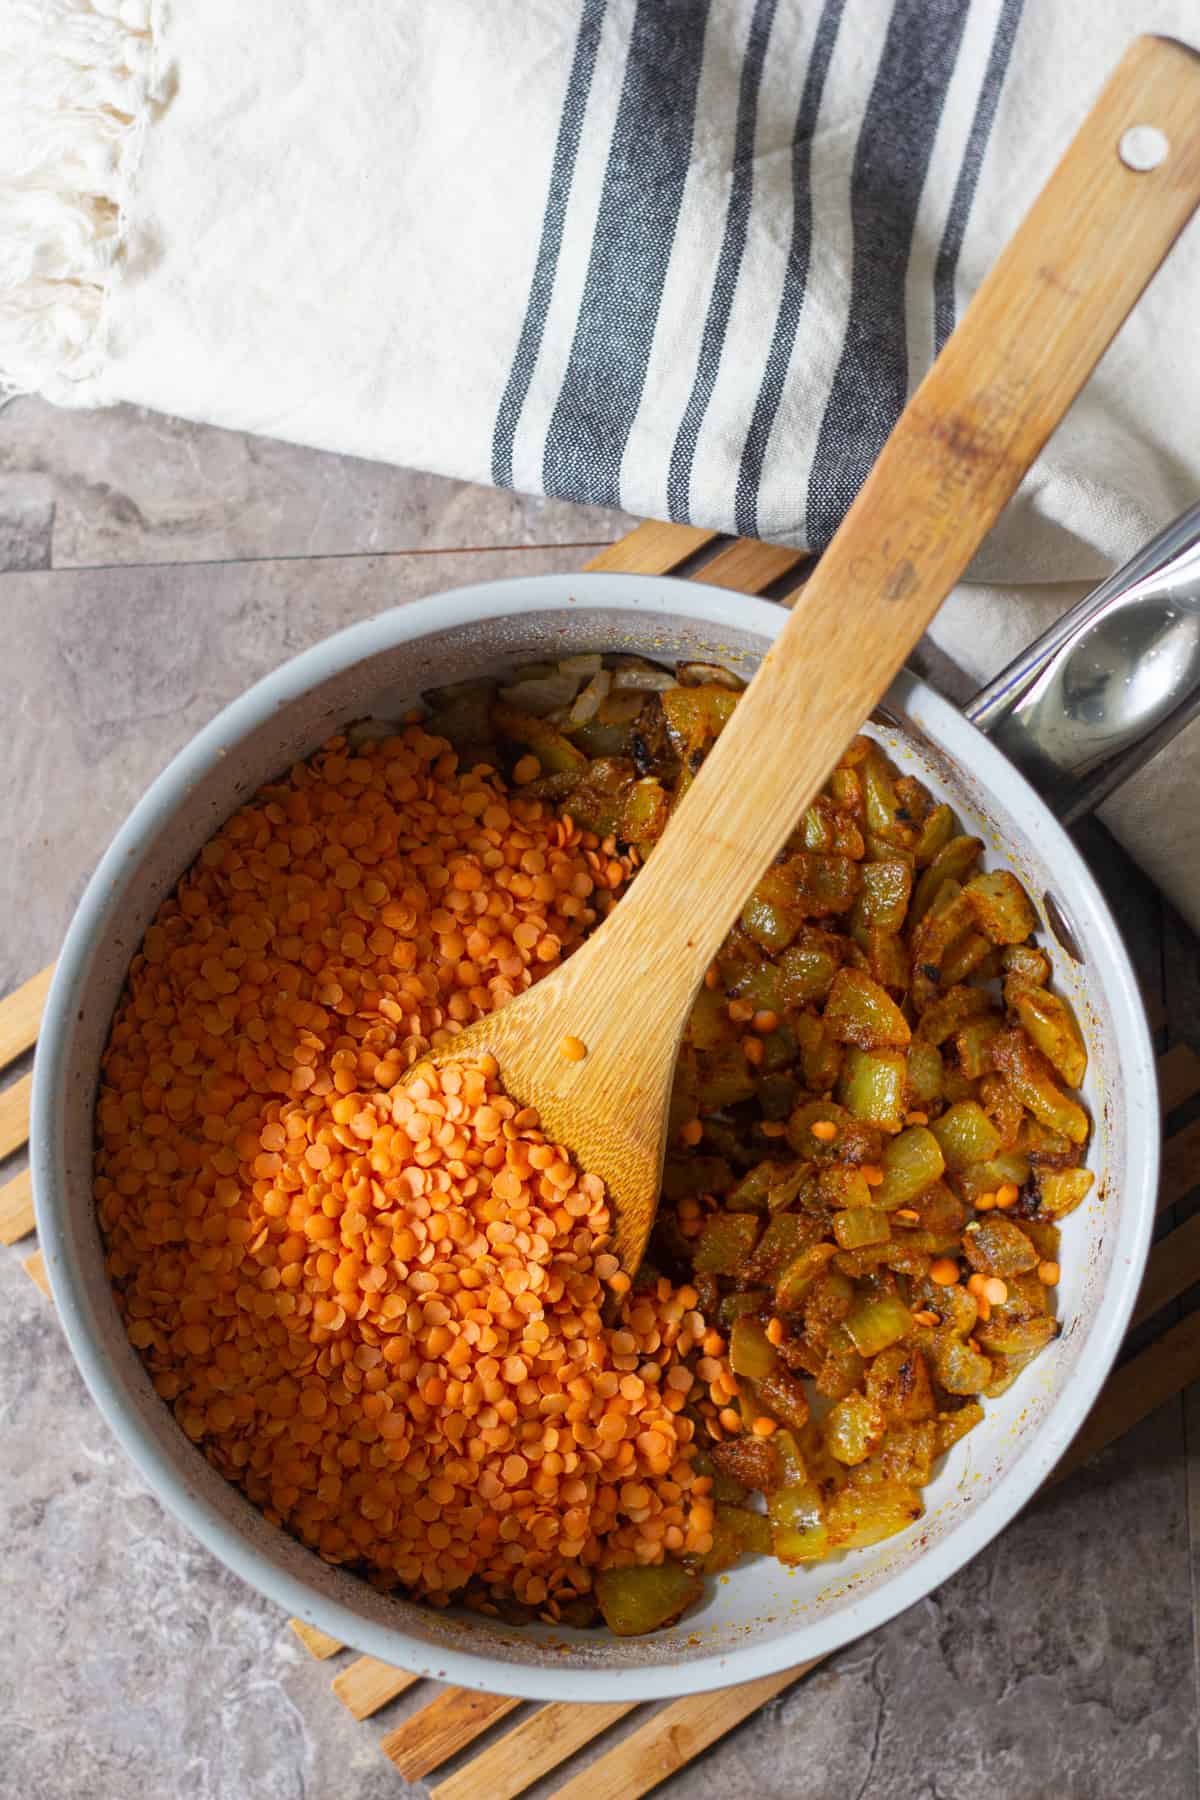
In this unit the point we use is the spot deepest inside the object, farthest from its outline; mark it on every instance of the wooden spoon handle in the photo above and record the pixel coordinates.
(1027, 343)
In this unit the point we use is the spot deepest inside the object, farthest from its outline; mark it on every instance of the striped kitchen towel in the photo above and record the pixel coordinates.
(686, 257)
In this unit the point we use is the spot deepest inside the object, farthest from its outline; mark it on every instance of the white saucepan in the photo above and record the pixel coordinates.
(763, 1617)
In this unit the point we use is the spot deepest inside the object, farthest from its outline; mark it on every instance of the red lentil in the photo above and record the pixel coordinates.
(375, 1305)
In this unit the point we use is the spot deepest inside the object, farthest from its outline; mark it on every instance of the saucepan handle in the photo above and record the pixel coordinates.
(1106, 687)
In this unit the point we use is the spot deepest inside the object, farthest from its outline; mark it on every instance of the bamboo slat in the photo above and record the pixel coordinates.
(14, 1115)
(671, 1738)
(35, 1267)
(366, 1684)
(21, 1015)
(16, 1208)
(443, 1728)
(543, 1741)
(652, 548)
(748, 567)
(317, 1643)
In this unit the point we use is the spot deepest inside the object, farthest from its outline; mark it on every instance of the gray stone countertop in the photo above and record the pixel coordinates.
(151, 570)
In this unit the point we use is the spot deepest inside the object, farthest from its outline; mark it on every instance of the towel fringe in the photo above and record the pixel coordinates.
(76, 79)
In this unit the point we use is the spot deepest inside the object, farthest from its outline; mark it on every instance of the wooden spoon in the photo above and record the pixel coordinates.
(1026, 345)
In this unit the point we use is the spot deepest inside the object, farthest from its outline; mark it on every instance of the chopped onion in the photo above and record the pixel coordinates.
(588, 704)
(697, 674)
(542, 694)
(621, 709)
(587, 664)
(643, 681)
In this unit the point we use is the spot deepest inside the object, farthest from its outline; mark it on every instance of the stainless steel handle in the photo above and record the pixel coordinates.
(1107, 686)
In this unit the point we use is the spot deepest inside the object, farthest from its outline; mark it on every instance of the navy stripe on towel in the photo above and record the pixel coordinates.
(795, 280)
(542, 287)
(894, 146)
(729, 261)
(631, 247)
(968, 175)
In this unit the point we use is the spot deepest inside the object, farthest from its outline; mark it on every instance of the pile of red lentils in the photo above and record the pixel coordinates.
(372, 1291)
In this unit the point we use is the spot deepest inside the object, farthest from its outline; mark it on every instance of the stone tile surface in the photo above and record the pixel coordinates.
(1057, 1663)
(108, 672)
(26, 521)
(128, 486)
(1060, 1662)
(131, 1662)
